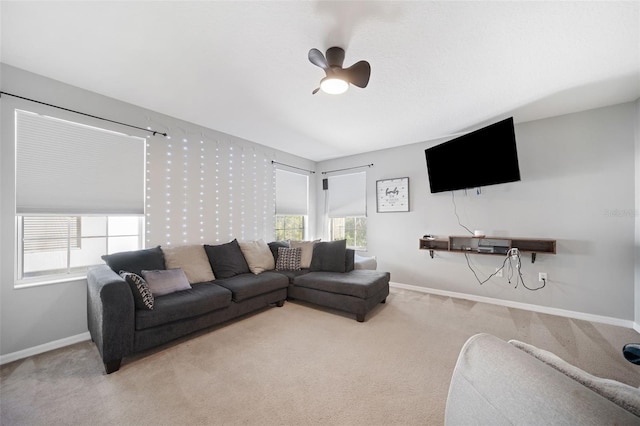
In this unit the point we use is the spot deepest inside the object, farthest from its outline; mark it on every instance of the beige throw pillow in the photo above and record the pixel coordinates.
(258, 256)
(192, 259)
(307, 251)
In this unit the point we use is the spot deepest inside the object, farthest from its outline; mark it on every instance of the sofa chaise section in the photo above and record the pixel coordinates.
(356, 292)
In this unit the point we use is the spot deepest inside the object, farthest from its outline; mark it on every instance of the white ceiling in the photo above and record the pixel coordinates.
(438, 68)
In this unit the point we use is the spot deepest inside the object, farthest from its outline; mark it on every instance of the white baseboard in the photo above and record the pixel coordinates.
(526, 306)
(56, 344)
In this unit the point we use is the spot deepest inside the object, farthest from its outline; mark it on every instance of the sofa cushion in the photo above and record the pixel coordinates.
(166, 281)
(135, 261)
(307, 251)
(198, 300)
(275, 245)
(227, 259)
(246, 286)
(329, 256)
(192, 259)
(142, 295)
(258, 256)
(292, 274)
(357, 283)
(288, 259)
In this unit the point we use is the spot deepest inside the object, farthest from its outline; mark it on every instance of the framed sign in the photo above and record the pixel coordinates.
(392, 195)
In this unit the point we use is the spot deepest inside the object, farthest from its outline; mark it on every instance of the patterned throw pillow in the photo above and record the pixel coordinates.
(288, 259)
(142, 295)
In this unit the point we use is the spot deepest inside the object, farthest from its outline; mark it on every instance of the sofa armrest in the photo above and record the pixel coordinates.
(110, 315)
(495, 383)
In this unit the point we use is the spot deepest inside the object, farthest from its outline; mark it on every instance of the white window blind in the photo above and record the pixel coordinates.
(348, 195)
(69, 168)
(50, 233)
(292, 193)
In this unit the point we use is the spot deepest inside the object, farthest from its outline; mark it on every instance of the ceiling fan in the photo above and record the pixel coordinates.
(337, 79)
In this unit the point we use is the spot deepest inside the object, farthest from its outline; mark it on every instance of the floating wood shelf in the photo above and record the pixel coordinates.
(488, 245)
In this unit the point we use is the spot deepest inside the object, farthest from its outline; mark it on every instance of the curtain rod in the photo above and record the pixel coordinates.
(348, 168)
(154, 132)
(293, 167)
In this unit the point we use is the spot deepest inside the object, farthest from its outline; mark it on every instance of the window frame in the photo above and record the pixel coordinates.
(284, 230)
(71, 273)
(354, 247)
(106, 211)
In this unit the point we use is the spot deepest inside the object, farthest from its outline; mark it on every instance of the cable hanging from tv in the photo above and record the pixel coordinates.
(153, 132)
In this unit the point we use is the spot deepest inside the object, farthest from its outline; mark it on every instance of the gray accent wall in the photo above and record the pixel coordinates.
(34, 316)
(578, 174)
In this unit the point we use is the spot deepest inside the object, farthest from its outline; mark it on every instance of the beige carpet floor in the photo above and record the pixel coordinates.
(297, 365)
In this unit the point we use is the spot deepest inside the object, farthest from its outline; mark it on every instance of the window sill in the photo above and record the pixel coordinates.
(38, 282)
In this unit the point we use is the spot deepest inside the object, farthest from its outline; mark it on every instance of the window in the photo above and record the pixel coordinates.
(292, 200)
(290, 227)
(79, 195)
(352, 229)
(347, 209)
(50, 247)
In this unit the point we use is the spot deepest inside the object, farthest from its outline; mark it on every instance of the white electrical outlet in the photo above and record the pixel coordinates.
(499, 272)
(542, 277)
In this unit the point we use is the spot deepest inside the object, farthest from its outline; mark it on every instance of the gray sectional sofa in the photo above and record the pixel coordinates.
(142, 299)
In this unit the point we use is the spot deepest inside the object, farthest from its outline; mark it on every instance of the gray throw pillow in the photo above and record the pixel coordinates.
(142, 295)
(349, 264)
(166, 281)
(227, 259)
(275, 245)
(135, 261)
(329, 256)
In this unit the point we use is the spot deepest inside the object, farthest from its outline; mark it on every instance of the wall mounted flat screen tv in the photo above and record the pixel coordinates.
(484, 157)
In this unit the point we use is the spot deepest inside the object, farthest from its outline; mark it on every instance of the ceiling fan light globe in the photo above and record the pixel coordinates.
(333, 85)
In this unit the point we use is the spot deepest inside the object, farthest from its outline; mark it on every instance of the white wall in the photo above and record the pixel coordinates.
(35, 316)
(637, 216)
(577, 187)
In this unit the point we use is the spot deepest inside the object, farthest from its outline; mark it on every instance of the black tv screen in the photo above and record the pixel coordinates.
(484, 157)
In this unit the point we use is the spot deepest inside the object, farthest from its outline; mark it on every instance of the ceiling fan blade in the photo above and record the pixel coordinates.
(317, 58)
(335, 56)
(358, 74)
(315, 91)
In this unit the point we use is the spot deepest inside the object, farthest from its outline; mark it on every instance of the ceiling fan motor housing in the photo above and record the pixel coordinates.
(358, 74)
